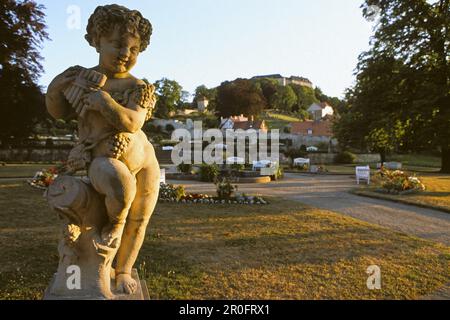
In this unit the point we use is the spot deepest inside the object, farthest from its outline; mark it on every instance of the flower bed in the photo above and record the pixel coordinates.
(44, 178)
(398, 182)
(170, 193)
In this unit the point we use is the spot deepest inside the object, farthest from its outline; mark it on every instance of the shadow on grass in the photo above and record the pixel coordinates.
(281, 251)
(434, 194)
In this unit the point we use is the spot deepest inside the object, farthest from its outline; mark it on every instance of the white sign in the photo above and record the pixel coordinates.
(163, 176)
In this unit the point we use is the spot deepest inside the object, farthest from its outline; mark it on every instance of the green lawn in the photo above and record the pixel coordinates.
(416, 160)
(349, 169)
(278, 121)
(280, 251)
(21, 170)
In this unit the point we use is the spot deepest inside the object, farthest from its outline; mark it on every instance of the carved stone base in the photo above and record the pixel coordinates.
(140, 294)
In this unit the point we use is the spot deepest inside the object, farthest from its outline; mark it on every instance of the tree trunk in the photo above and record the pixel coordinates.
(383, 156)
(445, 167)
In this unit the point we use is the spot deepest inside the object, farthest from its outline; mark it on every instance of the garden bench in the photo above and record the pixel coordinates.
(363, 173)
(262, 164)
(302, 161)
(235, 160)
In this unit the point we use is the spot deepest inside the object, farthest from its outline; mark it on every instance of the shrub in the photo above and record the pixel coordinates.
(237, 167)
(296, 153)
(225, 189)
(323, 146)
(345, 157)
(185, 168)
(210, 123)
(152, 129)
(209, 173)
(170, 192)
(398, 181)
(301, 167)
(170, 128)
(279, 173)
(49, 143)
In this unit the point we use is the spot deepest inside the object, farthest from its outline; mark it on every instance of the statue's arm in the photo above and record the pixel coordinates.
(125, 119)
(57, 104)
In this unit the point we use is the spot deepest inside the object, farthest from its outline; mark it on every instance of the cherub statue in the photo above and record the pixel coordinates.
(112, 106)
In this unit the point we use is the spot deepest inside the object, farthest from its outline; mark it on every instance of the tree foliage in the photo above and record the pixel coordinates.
(305, 98)
(404, 79)
(210, 94)
(22, 32)
(284, 99)
(241, 96)
(269, 89)
(169, 97)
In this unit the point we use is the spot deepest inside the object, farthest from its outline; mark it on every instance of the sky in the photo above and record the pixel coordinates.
(206, 42)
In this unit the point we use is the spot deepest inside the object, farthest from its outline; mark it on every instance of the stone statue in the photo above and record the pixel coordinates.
(105, 215)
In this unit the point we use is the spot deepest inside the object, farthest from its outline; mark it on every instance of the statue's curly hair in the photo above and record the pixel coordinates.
(104, 18)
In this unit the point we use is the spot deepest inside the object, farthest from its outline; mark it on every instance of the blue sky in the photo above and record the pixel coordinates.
(209, 41)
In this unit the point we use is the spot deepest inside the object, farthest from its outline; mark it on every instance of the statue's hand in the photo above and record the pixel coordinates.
(62, 81)
(95, 101)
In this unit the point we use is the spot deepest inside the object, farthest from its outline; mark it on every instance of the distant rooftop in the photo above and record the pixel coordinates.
(300, 79)
(279, 76)
(272, 76)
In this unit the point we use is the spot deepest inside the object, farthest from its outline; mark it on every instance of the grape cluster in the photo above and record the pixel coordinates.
(118, 145)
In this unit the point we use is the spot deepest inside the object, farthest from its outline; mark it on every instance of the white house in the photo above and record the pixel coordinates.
(202, 104)
(320, 111)
(228, 123)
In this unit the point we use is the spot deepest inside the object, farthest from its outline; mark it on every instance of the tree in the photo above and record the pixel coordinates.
(241, 96)
(285, 99)
(416, 33)
(385, 138)
(269, 89)
(203, 92)
(22, 32)
(338, 104)
(374, 117)
(319, 94)
(305, 98)
(169, 97)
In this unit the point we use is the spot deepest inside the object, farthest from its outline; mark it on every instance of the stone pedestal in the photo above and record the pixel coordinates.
(140, 294)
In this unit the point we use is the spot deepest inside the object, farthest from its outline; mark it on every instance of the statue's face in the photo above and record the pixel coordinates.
(119, 51)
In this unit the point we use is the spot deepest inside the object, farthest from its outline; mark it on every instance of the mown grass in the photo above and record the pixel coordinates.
(278, 121)
(22, 170)
(349, 169)
(416, 160)
(280, 251)
(436, 195)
